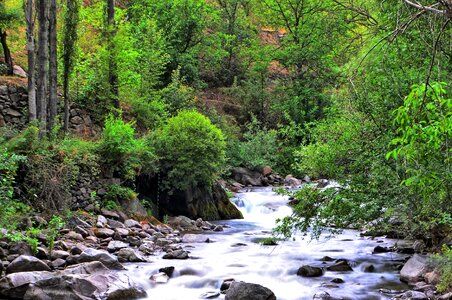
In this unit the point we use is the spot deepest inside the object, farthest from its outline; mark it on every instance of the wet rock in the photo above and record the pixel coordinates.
(327, 258)
(131, 223)
(101, 221)
(114, 246)
(292, 181)
(195, 238)
(25, 263)
(209, 295)
(239, 245)
(178, 254)
(432, 277)
(147, 248)
(414, 269)
(130, 255)
(324, 296)
(159, 277)
(368, 268)
(380, 249)
(247, 177)
(338, 280)
(309, 271)
(410, 246)
(167, 270)
(340, 266)
(322, 183)
(412, 295)
(218, 228)
(226, 284)
(106, 258)
(249, 291)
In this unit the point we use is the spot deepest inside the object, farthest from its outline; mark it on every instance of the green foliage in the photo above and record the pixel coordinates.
(122, 153)
(443, 262)
(191, 150)
(116, 193)
(53, 229)
(11, 212)
(270, 241)
(178, 96)
(8, 168)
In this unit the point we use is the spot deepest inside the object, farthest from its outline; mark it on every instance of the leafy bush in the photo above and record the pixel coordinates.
(191, 149)
(116, 193)
(8, 168)
(443, 262)
(122, 153)
(149, 113)
(54, 227)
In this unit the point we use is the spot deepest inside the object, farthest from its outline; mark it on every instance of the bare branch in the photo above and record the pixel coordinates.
(427, 8)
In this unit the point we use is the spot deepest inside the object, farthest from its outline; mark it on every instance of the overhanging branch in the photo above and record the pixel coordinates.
(426, 8)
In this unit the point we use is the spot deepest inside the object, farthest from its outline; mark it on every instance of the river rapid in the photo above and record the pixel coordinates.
(236, 253)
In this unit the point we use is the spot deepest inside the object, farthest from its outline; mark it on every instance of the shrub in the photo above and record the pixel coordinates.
(443, 262)
(116, 193)
(191, 149)
(8, 168)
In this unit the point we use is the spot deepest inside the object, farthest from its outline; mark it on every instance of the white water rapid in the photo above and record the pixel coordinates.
(236, 253)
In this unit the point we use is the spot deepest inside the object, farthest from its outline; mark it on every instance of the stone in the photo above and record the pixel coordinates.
(307, 179)
(159, 278)
(131, 223)
(106, 258)
(25, 263)
(380, 249)
(58, 263)
(226, 284)
(368, 268)
(20, 248)
(248, 291)
(290, 180)
(447, 296)
(130, 255)
(247, 177)
(18, 71)
(72, 235)
(195, 238)
(38, 221)
(267, 170)
(178, 254)
(13, 113)
(322, 183)
(115, 224)
(309, 271)
(114, 246)
(432, 277)
(103, 232)
(15, 285)
(218, 228)
(413, 295)
(414, 269)
(324, 296)
(110, 214)
(209, 295)
(338, 280)
(59, 254)
(167, 270)
(77, 120)
(410, 246)
(101, 221)
(340, 266)
(123, 232)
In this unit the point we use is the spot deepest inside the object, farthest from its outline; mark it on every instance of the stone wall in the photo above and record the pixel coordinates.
(13, 106)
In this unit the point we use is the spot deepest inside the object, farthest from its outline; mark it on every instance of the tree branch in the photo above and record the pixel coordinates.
(427, 8)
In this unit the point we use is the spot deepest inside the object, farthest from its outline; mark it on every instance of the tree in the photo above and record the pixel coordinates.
(30, 20)
(112, 66)
(8, 17)
(70, 36)
(43, 63)
(53, 65)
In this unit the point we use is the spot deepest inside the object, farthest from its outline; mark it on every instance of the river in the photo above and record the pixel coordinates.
(236, 253)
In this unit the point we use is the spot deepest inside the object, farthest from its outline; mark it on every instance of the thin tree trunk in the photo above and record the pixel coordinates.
(43, 58)
(53, 67)
(6, 52)
(28, 8)
(112, 67)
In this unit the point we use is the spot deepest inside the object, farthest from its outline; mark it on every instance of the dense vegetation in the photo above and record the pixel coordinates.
(356, 91)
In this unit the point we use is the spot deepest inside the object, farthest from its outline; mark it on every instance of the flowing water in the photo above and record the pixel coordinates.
(236, 253)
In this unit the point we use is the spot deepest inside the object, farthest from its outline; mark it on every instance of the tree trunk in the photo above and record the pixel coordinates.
(112, 67)
(6, 52)
(53, 66)
(28, 8)
(43, 58)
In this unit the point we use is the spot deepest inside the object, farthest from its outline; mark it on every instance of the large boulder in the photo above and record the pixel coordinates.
(291, 181)
(414, 269)
(14, 286)
(110, 261)
(309, 271)
(247, 177)
(25, 263)
(248, 291)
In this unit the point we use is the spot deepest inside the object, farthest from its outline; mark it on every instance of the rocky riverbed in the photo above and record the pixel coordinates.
(109, 256)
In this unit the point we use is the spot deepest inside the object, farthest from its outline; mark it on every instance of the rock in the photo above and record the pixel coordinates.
(308, 271)
(432, 277)
(218, 228)
(95, 286)
(59, 254)
(368, 268)
(38, 221)
(338, 280)
(123, 232)
(327, 258)
(115, 224)
(340, 266)
(20, 248)
(322, 183)
(195, 238)
(131, 223)
(267, 170)
(446, 296)
(324, 296)
(58, 263)
(13, 113)
(103, 232)
(86, 268)
(16, 284)
(106, 258)
(18, 71)
(183, 223)
(412, 295)
(72, 235)
(135, 207)
(25, 263)
(110, 214)
(410, 246)
(209, 295)
(292, 181)
(178, 254)
(307, 179)
(159, 278)
(414, 269)
(247, 177)
(248, 291)
(129, 255)
(167, 270)
(380, 249)
(226, 284)
(114, 246)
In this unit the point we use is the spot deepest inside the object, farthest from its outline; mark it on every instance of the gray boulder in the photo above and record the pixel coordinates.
(25, 263)
(248, 291)
(308, 271)
(195, 238)
(114, 246)
(130, 255)
(16, 284)
(413, 295)
(106, 258)
(414, 269)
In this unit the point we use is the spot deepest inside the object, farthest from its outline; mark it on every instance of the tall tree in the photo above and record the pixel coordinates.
(112, 66)
(43, 60)
(30, 20)
(7, 18)
(71, 20)
(53, 65)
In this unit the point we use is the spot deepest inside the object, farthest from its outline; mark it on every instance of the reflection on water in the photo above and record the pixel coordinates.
(235, 254)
